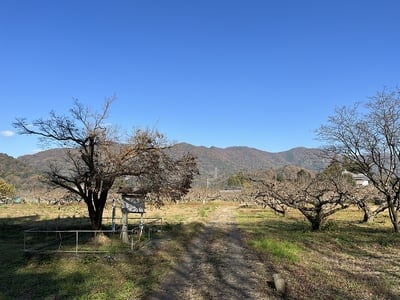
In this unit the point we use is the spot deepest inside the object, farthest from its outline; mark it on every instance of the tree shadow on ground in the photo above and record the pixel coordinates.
(345, 260)
(25, 277)
(214, 265)
(40, 275)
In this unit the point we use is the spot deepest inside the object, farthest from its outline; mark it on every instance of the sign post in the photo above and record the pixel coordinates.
(132, 202)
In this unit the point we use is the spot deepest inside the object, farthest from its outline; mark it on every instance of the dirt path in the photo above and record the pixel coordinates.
(217, 265)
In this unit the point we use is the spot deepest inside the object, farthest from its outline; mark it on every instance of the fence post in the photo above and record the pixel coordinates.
(125, 237)
(113, 215)
(76, 242)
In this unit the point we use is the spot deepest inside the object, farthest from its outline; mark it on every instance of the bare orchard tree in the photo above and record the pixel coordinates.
(316, 198)
(264, 199)
(369, 137)
(368, 199)
(95, 157)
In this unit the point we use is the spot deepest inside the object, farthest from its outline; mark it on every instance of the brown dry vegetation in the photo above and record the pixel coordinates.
(346, 260)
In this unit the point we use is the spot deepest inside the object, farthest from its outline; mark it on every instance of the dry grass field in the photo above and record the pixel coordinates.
(111, 275)
(346, 260)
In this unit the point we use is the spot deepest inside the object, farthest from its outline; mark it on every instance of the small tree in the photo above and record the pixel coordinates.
(237, 180)
(7, 190)
(95, 157)
(369, 137)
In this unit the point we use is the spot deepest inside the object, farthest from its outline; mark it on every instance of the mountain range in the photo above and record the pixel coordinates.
(227, 161)
(213, 162)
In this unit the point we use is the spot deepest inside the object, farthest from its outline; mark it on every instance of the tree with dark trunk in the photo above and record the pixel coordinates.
(369, 137)
(95, 157)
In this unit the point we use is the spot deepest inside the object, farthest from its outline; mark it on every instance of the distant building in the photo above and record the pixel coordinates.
(359, 178)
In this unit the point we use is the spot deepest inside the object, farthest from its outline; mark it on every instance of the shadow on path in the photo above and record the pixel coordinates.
(218, 266)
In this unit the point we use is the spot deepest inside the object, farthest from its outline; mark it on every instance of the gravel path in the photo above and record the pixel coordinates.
(217, 265)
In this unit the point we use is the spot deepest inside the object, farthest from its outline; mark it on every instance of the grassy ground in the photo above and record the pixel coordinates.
(346, 260)
(87, 276)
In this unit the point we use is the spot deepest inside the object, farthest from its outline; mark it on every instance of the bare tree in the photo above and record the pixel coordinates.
(364, 196)
(369, 136)
(368, 199)
(95, 157)
(316, 198)
(264, 199)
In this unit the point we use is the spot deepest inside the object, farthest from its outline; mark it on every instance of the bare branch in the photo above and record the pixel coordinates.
(371, 140)
(95, 159)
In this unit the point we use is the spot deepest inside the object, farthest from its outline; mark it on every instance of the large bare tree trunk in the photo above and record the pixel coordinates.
(316, 222)
(96, 206)
(393, 216)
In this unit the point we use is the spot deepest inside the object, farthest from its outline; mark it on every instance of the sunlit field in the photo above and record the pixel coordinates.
(345, 260)
(89, 275)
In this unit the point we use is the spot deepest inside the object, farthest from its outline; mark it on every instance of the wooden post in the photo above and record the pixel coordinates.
(125, 236)
(141, 225)
(113, 216)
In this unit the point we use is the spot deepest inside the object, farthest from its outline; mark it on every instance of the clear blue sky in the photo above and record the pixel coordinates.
(257, 73)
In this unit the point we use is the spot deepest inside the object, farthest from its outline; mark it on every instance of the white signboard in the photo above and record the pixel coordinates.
(133, 205)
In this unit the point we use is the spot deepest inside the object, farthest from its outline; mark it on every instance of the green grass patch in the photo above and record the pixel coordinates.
(281, 249)
(346, 259)
(204, 211)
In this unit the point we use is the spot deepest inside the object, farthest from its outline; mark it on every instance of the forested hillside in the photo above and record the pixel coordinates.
(16, 172)
(215, 164)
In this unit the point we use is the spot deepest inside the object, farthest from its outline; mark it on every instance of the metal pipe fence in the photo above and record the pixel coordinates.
(90, 241)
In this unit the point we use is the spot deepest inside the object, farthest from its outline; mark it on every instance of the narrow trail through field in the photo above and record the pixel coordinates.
(218, 265)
